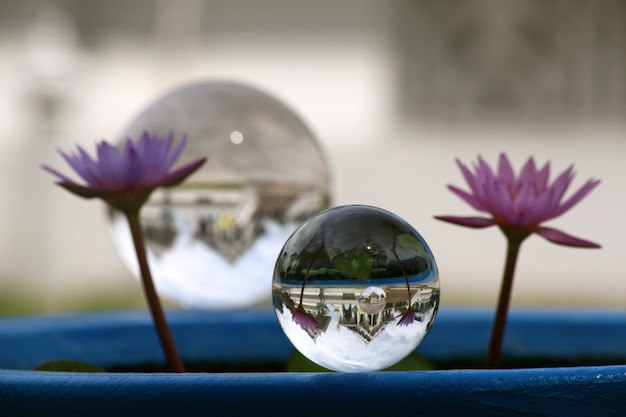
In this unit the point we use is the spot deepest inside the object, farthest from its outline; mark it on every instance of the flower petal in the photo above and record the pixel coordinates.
(579, 195)
(407, 318)
(306, 321)
(82, 191)
(173, 156)
(561, 238)
(562, 183)
(181, 173)
(501, 201)
(474, 222)
(84, 166)
(153, 151)
(470, 179)
(529, 172)
(468, 198)
(542, 178)
(521, 215)
(483, 171)
(525, 197)
(62, 177)
(111, 166)
(542, 207)
(505, 171)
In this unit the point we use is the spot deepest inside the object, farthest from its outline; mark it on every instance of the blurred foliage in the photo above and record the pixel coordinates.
(66, 365)
(18, 303)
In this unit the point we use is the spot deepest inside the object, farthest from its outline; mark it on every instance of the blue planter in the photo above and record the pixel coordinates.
(253, 340)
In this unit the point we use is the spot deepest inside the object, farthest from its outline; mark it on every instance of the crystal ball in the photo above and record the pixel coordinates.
(212, 241)
(355, 288)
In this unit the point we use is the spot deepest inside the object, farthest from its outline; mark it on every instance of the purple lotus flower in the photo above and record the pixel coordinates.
(406, 318)
(125, 177)
(518, 205)
(307, 321)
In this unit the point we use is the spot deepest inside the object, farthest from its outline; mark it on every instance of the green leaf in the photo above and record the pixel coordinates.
(408, 241)
(66, 365)
(413, 362)
(299, 363)
(354, 264)
(405, 240)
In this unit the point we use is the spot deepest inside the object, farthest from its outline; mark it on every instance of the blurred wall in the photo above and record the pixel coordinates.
(395, 90)
(515, 61)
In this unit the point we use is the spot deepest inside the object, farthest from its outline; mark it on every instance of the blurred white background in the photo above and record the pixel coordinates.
(395, 91)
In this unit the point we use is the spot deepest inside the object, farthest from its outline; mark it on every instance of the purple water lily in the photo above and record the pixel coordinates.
(124, 178)
(307, 321)
(518, 205)
(406, 318)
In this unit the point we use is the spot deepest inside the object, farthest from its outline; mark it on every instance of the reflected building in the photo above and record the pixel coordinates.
(346, 304)
(228, 218)
(227, 221)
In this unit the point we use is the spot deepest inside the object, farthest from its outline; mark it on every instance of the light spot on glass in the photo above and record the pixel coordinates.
(236, 137)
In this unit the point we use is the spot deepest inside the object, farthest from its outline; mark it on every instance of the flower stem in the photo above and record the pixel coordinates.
(406, 278)
(499, 324)
(308, 272)
(165, 336)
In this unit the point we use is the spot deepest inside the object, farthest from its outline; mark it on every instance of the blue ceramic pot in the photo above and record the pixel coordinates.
(253, 341)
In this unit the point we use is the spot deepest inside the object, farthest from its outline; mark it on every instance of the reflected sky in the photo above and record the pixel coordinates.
(196, 276)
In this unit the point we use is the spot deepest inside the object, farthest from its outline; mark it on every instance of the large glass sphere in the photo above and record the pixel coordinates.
(355, 288)
(212, 241)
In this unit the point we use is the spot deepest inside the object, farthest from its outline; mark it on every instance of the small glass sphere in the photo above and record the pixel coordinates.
(355, 288)
(212, 241)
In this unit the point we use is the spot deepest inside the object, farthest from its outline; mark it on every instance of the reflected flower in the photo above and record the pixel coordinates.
(307, 321)
(518, 205)
(408, 317)
(126, 177)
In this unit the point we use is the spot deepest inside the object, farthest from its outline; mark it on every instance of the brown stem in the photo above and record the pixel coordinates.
(163, 330)
(499, 324)
(308, 272)
(406, 278)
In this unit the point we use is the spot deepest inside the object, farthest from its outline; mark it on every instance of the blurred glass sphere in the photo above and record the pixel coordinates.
(355, 289)
(212, 241)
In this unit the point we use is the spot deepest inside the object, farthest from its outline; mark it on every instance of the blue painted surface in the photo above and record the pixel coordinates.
(562, 391)
(104, 338)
